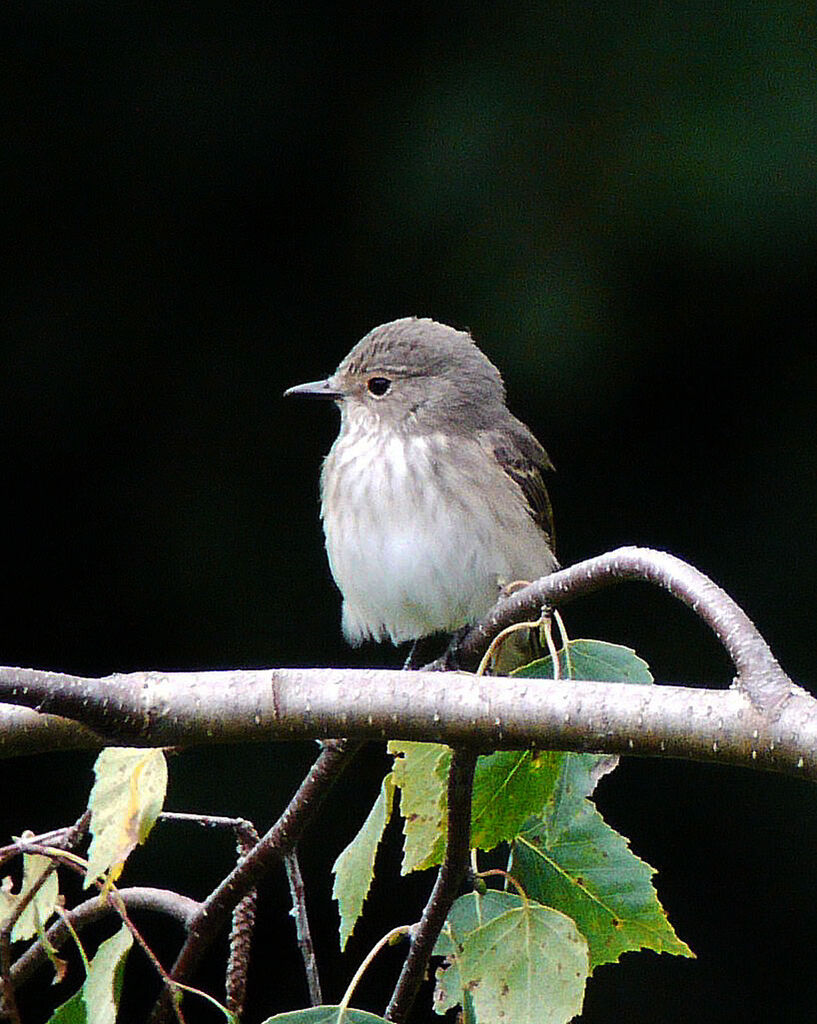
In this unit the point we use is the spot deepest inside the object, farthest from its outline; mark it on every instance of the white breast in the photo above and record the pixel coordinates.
(421, 538)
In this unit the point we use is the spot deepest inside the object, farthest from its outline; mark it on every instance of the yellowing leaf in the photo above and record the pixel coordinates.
(126, 799)
(44, 903)
(421, 773)
(41, 906)
(98, 999)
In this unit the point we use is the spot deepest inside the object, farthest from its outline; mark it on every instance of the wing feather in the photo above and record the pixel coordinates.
(525, 461)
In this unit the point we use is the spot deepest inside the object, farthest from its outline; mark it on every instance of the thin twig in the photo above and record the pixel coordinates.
(452, 871)
(388, 939)
(547, 629)
(27, 897)
(66, 838)
(275, 844)
(243, 916)
(492, 872)
(238, 825)
(297, 892)
(118, 905)
(62, 839)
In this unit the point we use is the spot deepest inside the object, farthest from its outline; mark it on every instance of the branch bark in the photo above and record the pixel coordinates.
(763, 721)
(495, 713)
(139, 898)
(757, 670)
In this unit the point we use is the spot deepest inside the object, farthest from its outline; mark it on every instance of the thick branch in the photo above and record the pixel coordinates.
(25, 731)
(766, 721)
(454, 708)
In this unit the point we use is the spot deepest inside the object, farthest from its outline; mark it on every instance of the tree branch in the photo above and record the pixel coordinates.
(297, 892)
(764, 721)
(757, 670)
(243, 925)
(496, 713)
(450, 876)
(213, 913)
(139, 898)
(24, 731)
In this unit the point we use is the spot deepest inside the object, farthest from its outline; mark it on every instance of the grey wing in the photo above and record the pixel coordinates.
(526, 461)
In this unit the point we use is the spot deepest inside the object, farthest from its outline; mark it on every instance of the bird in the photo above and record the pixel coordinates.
(432, 496)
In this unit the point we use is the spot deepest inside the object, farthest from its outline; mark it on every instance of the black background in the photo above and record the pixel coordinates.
(205, 203)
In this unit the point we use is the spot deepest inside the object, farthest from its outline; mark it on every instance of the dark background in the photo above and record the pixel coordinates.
(205, 203)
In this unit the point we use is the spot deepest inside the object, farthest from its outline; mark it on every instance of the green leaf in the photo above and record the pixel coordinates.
(325, 1015)
(570, 859)
(125, 802)
(421, 773)
(468, 913)
(103, 986)
(73, 1011)
(509, 786)
(592, 660)
(515, 960)
(98, 999)
(354, 867)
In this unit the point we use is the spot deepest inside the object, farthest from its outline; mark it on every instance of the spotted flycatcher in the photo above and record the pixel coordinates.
(432, 496)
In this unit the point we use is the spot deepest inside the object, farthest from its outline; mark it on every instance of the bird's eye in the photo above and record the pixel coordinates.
(378, 386)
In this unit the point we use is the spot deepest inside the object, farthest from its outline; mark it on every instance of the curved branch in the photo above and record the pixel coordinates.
(765, 721)
(160, 901)
(757, 670)
(24, 731)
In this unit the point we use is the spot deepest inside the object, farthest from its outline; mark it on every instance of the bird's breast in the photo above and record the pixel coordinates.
(382, 511)
(413, 544)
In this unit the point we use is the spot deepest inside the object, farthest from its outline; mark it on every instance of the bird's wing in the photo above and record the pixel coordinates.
(525, 461)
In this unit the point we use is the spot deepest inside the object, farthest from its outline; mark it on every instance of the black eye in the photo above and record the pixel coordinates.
(378, 386)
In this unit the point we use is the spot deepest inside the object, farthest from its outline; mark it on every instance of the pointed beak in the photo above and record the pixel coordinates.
(315, 389)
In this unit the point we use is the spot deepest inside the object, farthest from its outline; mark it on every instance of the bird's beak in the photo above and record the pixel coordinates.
(315, 389)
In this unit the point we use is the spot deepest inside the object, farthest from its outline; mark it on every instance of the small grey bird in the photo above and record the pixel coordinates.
(432, 496)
